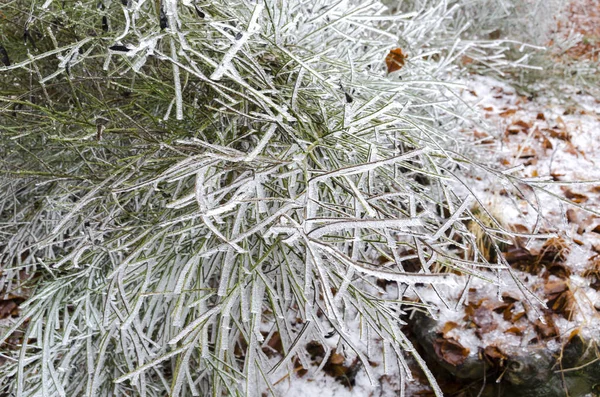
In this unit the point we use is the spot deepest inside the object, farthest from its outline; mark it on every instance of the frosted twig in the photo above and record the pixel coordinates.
(262, 143)
(333, 226)
(239, 42)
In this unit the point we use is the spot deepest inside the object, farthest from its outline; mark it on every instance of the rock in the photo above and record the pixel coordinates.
(530, 371)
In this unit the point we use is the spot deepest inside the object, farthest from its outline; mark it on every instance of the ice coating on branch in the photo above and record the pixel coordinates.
(334, 226)
(239, 41)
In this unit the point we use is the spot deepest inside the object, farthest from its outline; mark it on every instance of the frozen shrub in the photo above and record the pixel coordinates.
(181, 181)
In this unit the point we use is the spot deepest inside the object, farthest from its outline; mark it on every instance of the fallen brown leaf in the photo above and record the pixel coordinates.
(547, 329)
(395, 60)
(449, 326)
(494, 356)
(527, 152)
(515, 331)
(484, 320)
(575, 197)
(8, 308)
(560, 298)
(450, 351)
(508, 112)
(336, 358)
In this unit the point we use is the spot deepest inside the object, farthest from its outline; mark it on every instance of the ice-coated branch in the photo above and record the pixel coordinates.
(253, 27)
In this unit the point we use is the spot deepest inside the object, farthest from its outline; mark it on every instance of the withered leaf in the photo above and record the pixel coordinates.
(571, 149)
(315, 349)
(344, 374)
(513, 130)
(507, 313)
(573, 110)
(521, 259)
(518, 254)
(559, 134)
(298, 368)
(465, 60)
(518, 126)
(510, 297)
(336, 358)
(560, 298)
(395, 60)
(500, 308)
(547, 330)
(450, 351)
(471, 307)
(517, 317)
(515, 331)
(273, 345)
(519, 228)
(546, 144)
(575, 197)
(572, 216)
(449, 326)
(559, 270)
(335, 370)
(494, 355)
(508, 112)
(593, 272)
(8, 308)
(555, 287)
(527, 152)
(481, 135)
(484, 320)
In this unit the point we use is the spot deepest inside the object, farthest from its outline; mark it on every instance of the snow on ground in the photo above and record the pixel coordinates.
(556, 142)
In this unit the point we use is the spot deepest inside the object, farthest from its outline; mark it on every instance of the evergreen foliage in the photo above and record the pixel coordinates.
(181, 181)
